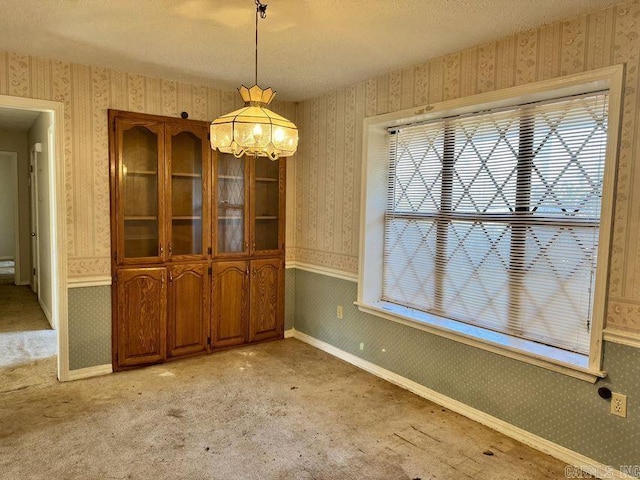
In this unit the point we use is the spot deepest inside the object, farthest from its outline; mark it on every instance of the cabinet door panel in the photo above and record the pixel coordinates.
(188, 309)
(231, 212)
(267, 206)
(140, 186)
(141, 317)
(230, 304)
(267, 288)
(188, 154)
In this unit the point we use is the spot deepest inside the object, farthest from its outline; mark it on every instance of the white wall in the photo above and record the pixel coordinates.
(7, 205)
(38, 133)
(16, 141)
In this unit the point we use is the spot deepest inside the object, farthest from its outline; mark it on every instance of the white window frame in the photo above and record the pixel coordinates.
(375, 167)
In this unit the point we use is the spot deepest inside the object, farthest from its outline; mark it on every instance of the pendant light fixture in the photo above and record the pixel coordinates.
(254, 129)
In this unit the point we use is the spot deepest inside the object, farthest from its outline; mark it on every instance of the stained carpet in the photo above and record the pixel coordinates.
(279, 410)
(27, 342)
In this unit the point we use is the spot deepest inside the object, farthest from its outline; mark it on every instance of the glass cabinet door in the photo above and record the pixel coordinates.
(267, 193)
(140, 188)
(187, 166)
(231, 208)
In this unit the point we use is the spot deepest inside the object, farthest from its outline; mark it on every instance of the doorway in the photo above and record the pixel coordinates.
(33, 308)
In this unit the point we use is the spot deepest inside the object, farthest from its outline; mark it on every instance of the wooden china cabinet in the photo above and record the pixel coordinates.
(197, 241)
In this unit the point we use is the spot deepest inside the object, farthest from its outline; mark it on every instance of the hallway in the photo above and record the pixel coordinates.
(27, 342)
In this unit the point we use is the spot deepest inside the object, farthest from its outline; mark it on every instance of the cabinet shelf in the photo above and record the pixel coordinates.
(186, 217)
(235, 206)
(266, 179)
(230, 177)
(186, 175)
(230, 218)
(140, 237)
(267, 217)
(133, 218)
(141, 172)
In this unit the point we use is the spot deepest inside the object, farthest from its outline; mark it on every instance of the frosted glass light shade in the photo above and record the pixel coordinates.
(254, 129)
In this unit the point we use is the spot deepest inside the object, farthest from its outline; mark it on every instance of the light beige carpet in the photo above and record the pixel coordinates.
(27, 342)
(279, 410)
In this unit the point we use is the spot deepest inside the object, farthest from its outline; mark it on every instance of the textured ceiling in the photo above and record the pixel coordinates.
(307, 47)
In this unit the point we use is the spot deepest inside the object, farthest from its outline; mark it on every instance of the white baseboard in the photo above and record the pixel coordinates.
(47, 313)
(89, 372)
(561, 453)
(289, 333)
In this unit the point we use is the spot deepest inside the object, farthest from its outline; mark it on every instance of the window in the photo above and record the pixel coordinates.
(493, 219)
(494, 225)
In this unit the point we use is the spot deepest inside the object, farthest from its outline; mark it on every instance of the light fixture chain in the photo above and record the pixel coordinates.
(257, 10)
(261, 10)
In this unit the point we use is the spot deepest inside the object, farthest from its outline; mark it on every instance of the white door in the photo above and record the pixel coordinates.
(33, 191)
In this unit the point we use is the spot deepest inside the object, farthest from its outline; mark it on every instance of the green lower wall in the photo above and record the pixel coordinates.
(289, 297)
(89, 326)
(562, 409)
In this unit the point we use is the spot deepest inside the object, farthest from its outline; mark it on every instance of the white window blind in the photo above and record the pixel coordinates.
(493, 218)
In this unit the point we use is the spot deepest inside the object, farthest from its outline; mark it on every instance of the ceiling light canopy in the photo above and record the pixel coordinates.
(254, 129)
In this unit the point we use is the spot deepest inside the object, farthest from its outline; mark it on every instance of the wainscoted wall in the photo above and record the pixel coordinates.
(329, 161)
(563, 410)
(89, 327)
(87, 93)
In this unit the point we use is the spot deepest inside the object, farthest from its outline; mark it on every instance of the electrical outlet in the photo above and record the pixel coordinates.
(339, 311)
(361, 346)
(619, 404)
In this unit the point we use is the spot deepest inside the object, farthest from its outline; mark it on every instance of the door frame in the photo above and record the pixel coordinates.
(34, 245)
(56, 181)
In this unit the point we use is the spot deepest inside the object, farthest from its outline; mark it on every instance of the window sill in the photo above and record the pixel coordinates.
(551, 358)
